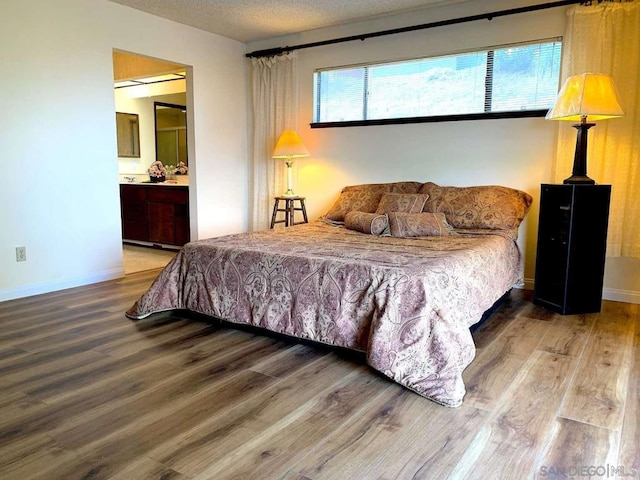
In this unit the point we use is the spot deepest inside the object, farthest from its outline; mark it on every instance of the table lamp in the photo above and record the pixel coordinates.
(585, 98)
(289, 146)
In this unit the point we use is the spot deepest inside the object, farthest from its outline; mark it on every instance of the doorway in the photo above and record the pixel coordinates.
(139, 83)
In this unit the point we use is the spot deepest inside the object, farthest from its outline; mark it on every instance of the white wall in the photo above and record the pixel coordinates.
(60, 185)
(514, 152)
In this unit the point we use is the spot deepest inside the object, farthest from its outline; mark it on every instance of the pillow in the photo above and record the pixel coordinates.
(481, 207)
(364, 222)
(402, 202)
(365, 198)
(422, 224)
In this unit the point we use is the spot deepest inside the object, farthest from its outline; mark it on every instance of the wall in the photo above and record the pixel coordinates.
(60, 185)
(515, 152)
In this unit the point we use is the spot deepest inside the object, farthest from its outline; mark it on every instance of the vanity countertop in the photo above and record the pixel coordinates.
(179, 181)
(167, 183)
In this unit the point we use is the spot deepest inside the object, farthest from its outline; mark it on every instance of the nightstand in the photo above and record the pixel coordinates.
(289, 210)
(572, 241)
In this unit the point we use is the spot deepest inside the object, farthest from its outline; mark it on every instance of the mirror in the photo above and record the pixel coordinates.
(171, 133)
(128, 131)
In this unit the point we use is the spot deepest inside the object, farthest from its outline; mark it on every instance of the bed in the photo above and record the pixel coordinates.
(399, 271)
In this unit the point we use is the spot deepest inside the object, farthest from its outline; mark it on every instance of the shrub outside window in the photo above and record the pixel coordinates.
(513, 78)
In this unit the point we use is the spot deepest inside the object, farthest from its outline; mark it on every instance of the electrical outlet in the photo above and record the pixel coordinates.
(21, 254)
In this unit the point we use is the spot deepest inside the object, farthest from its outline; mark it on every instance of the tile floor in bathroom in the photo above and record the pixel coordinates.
(138, 259)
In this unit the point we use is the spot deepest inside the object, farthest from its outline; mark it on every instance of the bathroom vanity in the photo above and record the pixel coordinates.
(155, 213)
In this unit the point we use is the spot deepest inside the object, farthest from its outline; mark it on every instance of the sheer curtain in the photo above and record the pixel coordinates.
(605, 38)
(275, 108)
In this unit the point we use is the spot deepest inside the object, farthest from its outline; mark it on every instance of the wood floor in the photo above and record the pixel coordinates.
(86, 393)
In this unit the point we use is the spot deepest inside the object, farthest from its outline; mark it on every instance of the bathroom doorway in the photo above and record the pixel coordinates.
(140, 82)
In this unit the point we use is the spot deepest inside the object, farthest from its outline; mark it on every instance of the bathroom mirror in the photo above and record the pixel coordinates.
(128, 131)
(171, 133)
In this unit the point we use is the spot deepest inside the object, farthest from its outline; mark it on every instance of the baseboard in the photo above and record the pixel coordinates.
(626, 296)
(612, 294)
(528, 284)
(47, 287)
(163, 246)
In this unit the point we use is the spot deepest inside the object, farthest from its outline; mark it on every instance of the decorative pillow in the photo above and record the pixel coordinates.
(402, 202)
(366, 197)
(418, 224)
(364, 222)
(484, 207)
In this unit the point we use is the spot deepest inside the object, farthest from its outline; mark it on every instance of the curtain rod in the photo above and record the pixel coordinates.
(483, 16)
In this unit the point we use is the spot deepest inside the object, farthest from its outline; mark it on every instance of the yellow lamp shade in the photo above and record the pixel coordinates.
(290, 146)
(588, 97)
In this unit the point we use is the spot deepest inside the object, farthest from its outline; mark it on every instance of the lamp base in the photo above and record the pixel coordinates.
(579, 180)
(289, 193)
(579, 173)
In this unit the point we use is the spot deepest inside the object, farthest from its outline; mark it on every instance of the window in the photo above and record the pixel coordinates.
(509, 81)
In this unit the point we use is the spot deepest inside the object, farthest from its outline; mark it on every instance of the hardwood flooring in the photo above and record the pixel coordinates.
(86, 393)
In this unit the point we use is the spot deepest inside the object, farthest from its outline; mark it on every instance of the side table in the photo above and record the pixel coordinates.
(572, 243)
(289, 210)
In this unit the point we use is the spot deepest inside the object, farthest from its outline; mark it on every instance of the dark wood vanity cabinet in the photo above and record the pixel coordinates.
(155, 214)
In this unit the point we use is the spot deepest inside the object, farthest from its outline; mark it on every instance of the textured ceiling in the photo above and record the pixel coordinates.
(250, 20)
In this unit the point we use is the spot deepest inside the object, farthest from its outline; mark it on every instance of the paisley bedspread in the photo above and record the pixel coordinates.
(407, 302)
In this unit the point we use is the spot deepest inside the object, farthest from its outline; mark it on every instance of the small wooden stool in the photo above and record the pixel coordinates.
(289, 211)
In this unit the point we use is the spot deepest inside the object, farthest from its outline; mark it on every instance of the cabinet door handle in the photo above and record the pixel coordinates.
(565, 207)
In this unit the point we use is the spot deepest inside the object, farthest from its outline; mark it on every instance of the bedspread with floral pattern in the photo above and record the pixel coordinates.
(407, 302)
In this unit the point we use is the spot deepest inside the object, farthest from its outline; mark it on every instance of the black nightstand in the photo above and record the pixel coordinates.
(572, 240)
(289, 210)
